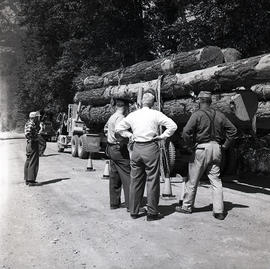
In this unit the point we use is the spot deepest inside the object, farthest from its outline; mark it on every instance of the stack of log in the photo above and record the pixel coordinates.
(186, 72)
(183, 74)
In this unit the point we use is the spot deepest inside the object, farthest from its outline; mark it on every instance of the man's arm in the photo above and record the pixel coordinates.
(122, 127)
(189, 129)
(106, 129)
(170, 125)
(230, 132)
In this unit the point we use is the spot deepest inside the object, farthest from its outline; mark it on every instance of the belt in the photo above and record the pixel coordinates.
(113, 144)
(144, 142)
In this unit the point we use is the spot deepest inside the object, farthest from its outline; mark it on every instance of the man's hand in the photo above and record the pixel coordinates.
(157, 138)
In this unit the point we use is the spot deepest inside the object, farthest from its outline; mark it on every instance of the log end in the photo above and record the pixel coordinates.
(210, 56)
(231, 55)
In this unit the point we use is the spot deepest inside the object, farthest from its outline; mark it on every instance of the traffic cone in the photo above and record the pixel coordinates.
(106, 174)
(167, 191)
(89, 167)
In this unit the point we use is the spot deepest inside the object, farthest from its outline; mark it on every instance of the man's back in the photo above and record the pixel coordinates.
(207, 125)
(145, 123)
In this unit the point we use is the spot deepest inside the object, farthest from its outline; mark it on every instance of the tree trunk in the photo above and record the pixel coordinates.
(217, 79)
(182, 62)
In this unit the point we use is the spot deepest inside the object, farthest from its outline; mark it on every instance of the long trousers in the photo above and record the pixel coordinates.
(119, 173)
(207, 158)
(145, 163)
(32, 161)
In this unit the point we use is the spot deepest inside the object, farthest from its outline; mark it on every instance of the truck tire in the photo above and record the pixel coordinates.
(74, 145)
(171, 153)
(60, 148)
(82, 147)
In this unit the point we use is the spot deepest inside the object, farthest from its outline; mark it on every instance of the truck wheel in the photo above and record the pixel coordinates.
(82, 147)
(74, 145)
(60, 148)
(171, 153)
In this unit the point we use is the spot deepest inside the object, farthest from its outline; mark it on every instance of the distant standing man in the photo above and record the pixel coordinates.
(145, 156)
(31, 130)
(211, 132)
(119, 156)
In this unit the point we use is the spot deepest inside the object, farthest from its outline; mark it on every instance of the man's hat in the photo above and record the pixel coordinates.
(205, 94)
(34, 114)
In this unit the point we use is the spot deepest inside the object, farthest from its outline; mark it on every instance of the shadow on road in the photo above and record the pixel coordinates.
(247, 188)
(167, 210)
(52, 181)
(49, 155)
(227, 207)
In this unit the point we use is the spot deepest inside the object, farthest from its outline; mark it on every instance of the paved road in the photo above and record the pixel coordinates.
(66, 223)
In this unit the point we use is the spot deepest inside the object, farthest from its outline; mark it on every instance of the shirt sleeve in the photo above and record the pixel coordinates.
(106, 128)
(170, 125)
(189, 129)
(230, 131)
(122, 126)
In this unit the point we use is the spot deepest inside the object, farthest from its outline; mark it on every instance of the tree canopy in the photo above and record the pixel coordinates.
(65, 39)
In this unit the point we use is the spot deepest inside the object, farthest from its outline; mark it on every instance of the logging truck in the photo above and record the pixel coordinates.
(74, 134)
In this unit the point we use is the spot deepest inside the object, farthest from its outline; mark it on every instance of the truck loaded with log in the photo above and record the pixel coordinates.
(183, 76)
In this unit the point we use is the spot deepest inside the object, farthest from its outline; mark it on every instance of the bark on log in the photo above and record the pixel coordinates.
(217, 79)
(262, 91)
(231, 55)
(179, 110)
(182, 62)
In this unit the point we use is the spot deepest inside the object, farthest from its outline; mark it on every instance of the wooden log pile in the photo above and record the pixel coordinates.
(148, 70)
(183, 74)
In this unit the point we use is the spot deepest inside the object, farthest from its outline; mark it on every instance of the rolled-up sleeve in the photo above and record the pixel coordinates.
(230, 131)
(170, 125)
(122, 127)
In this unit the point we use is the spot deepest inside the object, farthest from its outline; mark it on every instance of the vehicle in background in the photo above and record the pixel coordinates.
(74, 134)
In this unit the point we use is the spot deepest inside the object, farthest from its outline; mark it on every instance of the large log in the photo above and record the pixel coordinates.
(182, 62)
(217, 79)
(179, 110)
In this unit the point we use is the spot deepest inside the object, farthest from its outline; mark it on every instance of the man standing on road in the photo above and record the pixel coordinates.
(145, 155)
(31, 130)
(118, 153)
(211, 132)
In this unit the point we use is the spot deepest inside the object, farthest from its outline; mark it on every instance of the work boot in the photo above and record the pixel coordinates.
(141, 210)
(32, 183)
(180, 209)
(220, 216)
(114, 206)
(152, 217)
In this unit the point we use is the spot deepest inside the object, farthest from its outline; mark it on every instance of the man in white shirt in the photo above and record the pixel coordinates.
(119, 156)
(145, 156)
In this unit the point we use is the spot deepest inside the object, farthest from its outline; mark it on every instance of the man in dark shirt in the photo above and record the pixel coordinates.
(208, 131)
(31, 166)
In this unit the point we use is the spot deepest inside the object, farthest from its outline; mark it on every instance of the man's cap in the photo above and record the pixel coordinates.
(34, 114)
(205, 94)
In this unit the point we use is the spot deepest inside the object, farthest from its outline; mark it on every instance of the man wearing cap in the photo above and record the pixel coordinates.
(208, 131)
(31, 130)
(118, 153)
(145, 156)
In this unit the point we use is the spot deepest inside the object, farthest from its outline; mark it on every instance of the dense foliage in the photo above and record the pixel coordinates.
(66, 39)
